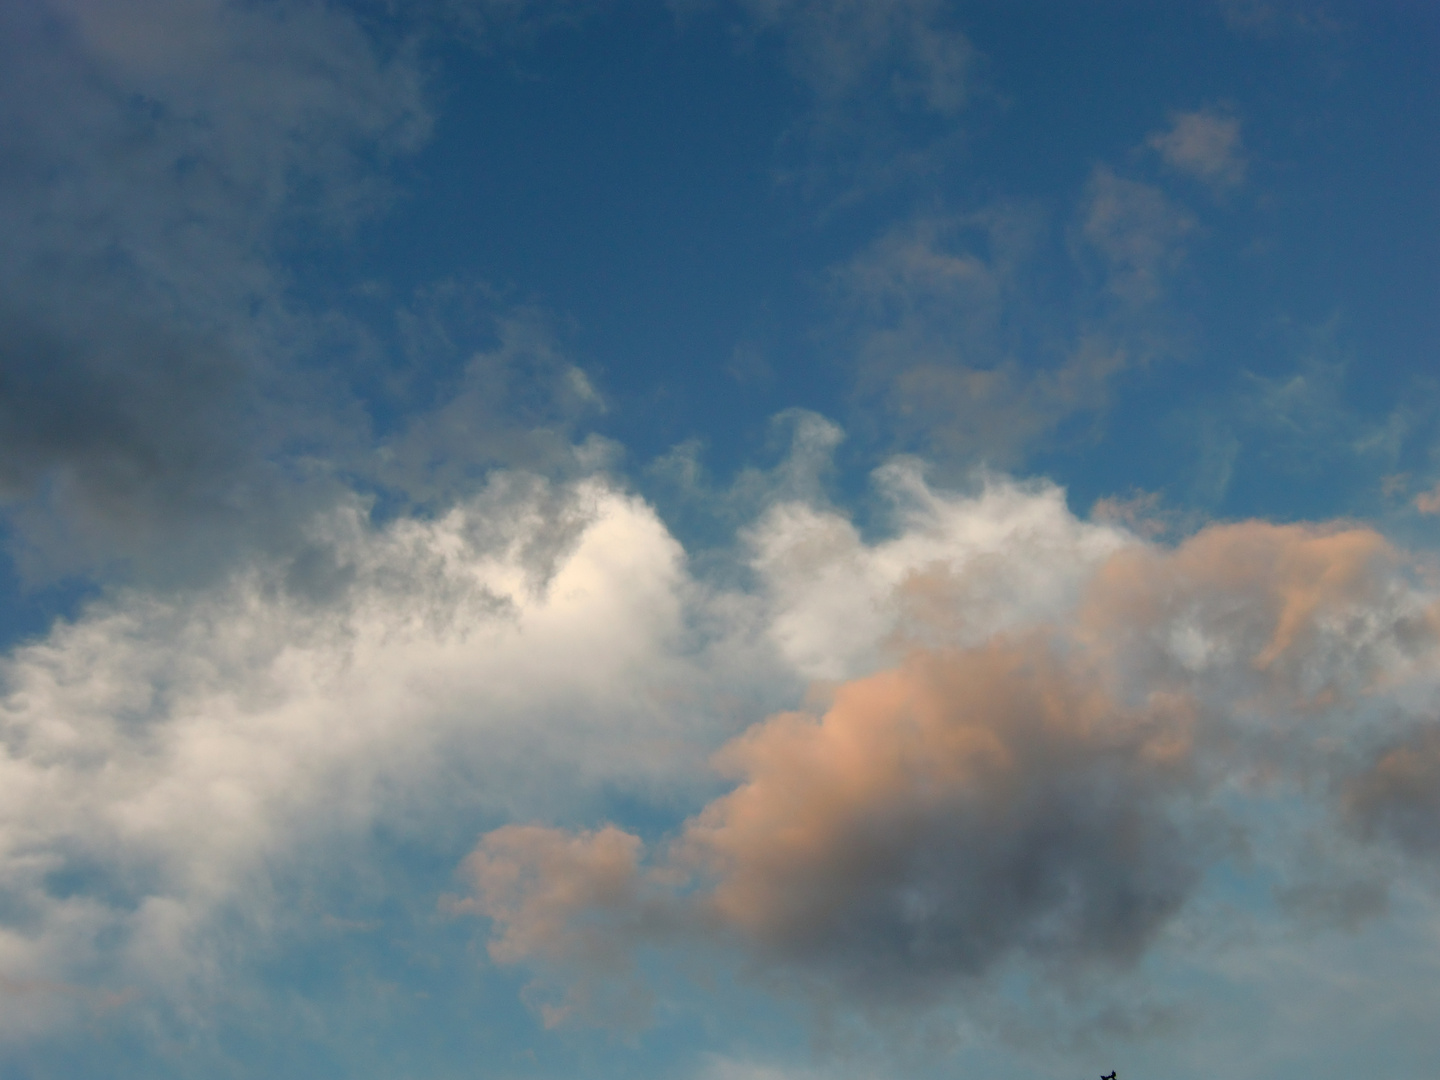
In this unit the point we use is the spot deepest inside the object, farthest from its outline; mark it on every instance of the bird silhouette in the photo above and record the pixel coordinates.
(1110, 1077)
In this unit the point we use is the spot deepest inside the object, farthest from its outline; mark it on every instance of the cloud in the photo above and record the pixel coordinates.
(845, 49)
(957, 571)
(168, 762)
(1021, 751)
(1399, 794)
(940, 819)
(944, 815)
(1428, 502)
(952, 345)
(1266, 18)
(535, 880)
(884, 83)
(1301, 428)
(1205, 145)
(154, 151)
(924, 269)
(1136, 230)
(482, 385)
(1038, 787)
(726, 1068)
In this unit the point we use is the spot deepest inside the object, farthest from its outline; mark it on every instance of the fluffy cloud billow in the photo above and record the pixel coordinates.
(1043, 782)
(165, 756)
(420, 655)
(1026, 742)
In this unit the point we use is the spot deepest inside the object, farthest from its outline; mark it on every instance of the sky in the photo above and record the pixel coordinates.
(719, 539)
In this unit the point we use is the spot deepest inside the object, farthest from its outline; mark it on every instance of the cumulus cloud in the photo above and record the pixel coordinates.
(1023, 747)
(956, 572)
(166, 760)
(945, 814)
(1205, 145)
(1040, 782)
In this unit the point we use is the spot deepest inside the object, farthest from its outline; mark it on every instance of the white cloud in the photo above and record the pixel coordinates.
(166, 754)
(163, 756)
(838, 607)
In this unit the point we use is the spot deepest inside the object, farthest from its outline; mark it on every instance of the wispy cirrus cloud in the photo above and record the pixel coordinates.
(846, 49)
(886, 81)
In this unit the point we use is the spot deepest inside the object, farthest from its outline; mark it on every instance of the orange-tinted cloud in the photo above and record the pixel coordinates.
(1428, 502)
(1309, 607)
(1043, 797)
(576, 902)
(964, 808)
(968, 805)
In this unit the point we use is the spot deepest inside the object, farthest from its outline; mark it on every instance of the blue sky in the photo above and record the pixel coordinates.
(719, 539)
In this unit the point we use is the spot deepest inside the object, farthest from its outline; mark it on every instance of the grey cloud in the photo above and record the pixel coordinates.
(130, 441)
(887, 81)
(484, 384)
(1307, 419)
(1205, 145)
(154, 149)
(807, 442)
(951, 341)
(941, 822)
(1019, 829)
(1265, 18)
(1428, 502)
(1137, 231)
(1398, 794)
(1300, 426)
(846, 48)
